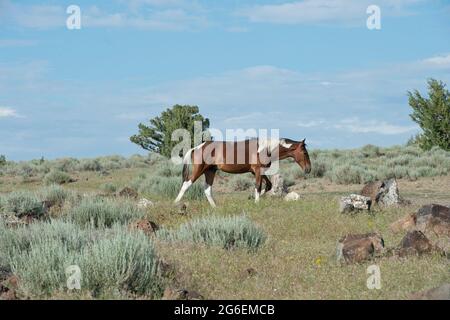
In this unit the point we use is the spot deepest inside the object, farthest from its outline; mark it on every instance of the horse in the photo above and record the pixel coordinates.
(251, 155)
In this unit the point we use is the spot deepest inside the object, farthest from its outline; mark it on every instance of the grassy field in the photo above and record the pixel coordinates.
(291, 245)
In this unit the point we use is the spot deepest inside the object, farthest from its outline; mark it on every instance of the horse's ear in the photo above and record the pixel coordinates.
(303, 141)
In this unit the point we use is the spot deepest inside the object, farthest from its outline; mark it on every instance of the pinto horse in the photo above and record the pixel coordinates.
(254, 155)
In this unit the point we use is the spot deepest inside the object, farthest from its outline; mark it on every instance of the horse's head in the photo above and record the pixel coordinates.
(301, 156)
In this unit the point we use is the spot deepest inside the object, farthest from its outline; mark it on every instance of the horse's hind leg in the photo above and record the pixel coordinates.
(209, 180)
(197, 171)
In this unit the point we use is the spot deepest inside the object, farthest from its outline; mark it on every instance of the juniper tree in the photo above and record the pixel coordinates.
(157, 136)
(432, 114)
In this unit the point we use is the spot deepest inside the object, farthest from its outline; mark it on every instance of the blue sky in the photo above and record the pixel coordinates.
(310, 68)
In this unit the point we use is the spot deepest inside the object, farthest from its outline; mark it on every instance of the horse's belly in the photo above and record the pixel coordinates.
(233, 168)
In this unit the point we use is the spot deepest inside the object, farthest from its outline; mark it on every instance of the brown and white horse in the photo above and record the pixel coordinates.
(255, 156)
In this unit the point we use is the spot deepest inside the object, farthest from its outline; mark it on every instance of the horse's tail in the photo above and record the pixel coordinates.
(186, 161)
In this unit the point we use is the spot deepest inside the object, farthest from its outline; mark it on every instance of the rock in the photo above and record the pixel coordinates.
(359, 247)
(182, 209)
(279, 188)
(354, 202)
(440, 293)
(407, 223)
(292, 196)
(145, 225)
(180, 294)
(128, 193)
(383, 193)
(415, 242)
(389, 193)
(372, 190)
(8, 288)
(435, 218)
(145, 203)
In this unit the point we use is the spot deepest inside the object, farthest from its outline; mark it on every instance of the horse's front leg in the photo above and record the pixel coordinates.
(268, 186)
(258, 184)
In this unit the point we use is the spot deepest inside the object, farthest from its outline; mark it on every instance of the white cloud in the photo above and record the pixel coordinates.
(5, 43)
(357, 125)
(161, 16)
(311, 123)
(322, 11)
(6, 112)
(438, 61)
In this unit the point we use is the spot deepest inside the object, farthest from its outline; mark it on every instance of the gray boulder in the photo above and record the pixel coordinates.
(354, 202)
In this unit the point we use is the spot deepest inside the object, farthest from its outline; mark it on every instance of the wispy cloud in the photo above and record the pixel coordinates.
(6, 112)
(322, 11)
(356, 125)
(162, 15)
(5, 43)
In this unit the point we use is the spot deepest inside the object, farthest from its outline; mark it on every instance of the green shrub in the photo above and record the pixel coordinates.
(241, 182)
(22, 203)
(57, 177)
(168, 187)
(122, 261)
(225, 232)
(56, 194)
(100, 212)
(345, 174)
(111, 260)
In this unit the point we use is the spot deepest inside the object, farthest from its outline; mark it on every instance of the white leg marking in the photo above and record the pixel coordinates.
(184, 188)
(256, 196)
(208, 193)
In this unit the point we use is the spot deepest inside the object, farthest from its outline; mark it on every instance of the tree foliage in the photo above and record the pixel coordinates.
(157, 137)
(2, 160)
(433, 115)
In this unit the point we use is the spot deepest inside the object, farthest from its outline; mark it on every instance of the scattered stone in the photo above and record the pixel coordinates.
(180, 294)
(8, 288)
(182, 209)
(372, 190)
(292, 196)
(415, 242)
(145, 203)
(354, 202)
(383, 193)
(145, 225)
(359, 247)
(435, 218)
(128, 193)
(406, 223)
(440, 293)
(279, 188)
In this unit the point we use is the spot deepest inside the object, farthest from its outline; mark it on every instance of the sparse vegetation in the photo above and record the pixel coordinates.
(225, 232)
(290, 244)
